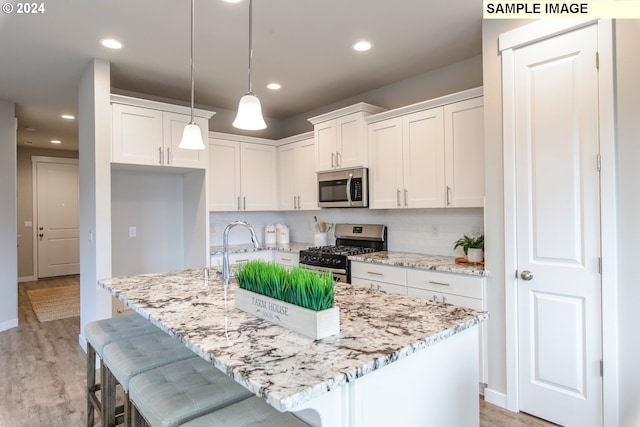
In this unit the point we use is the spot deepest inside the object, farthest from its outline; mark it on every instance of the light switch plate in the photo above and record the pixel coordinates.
(28, 224)
(132, 231)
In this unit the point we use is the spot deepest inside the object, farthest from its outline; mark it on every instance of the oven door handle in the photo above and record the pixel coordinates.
(349, 187)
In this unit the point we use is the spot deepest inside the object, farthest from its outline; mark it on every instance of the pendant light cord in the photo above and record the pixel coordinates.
(250, 44)
(193, 20)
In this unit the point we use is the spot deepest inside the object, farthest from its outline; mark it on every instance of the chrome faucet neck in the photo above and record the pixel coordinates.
(226, 274)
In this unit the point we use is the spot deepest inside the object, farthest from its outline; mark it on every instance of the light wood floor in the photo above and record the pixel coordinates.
(42, 373)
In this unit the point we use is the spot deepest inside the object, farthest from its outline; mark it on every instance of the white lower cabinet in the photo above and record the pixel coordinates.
(381, 277)
(286, 259)
(240, 258)
(456, 289)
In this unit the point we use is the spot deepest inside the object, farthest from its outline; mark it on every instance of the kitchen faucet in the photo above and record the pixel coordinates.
(226, 274)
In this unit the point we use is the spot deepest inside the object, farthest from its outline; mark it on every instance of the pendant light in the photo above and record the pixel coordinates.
(249, 115)
(192, 136)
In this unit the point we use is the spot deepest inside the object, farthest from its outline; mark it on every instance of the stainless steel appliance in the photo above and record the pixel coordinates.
(351, 239)
(347, 188)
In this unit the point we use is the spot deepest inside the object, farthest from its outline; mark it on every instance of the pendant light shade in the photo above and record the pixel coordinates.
(191, 136)
(249, 115)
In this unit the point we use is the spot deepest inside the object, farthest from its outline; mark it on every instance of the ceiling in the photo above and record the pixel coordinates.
(305, 45)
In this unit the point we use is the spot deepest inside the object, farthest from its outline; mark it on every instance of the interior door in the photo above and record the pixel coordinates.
(558, 229)
(58, 219)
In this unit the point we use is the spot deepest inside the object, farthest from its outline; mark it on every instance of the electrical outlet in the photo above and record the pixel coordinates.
(435, 230)
(132, 231)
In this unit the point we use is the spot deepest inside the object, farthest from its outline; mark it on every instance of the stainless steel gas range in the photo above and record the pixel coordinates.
(351, 239)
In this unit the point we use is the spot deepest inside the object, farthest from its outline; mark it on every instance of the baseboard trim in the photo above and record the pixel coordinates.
(8, 324)
(26, 279)
(495, 398)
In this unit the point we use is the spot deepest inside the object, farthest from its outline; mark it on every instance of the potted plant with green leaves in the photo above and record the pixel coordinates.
(473, 246)
(297, 299)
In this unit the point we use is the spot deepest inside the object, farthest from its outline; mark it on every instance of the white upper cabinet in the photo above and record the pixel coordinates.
(148, 133)
(242, 176)
(340, 137)
(428, 157)
(297, 178)
(464, 153)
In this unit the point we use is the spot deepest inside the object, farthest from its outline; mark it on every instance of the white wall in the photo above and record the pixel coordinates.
(8, 215)
(94, 130)
(151, 202)
(628, 208)
(408, 230)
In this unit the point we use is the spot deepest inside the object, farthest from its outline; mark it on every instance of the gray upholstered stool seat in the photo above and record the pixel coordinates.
(126, 358)
(252, 412)
(173, 394)
(100, 333)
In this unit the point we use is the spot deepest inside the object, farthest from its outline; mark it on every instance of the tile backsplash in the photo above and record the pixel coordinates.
(428, 231)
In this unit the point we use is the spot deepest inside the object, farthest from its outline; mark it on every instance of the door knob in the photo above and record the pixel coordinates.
(526, 275)
(41, 228)
(41, 234)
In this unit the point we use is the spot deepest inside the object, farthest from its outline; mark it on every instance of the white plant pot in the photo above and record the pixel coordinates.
(475, 255)
(313, 324)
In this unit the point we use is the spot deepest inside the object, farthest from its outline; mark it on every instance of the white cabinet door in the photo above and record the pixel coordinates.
(306, 178)
(351, 145)
(325, 135)
(224, 175)
(464, 153)
(286, 259)
(385, 172)
(173, 126)
(423, 154)
(298, 187)
(287, 189)
(137, 135)
(258, 177)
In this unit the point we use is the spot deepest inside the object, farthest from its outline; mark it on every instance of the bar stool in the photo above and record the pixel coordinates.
(173, 394)
(252, 412)
(100, 333)
(125, 359)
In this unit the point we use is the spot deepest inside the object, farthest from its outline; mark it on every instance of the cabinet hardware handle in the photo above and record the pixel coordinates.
(333, 157)
(299, 204)
(378, 287)
(241, 261)
(244, 203)
(338, 159)
(295, 205)
(398, 197)
(435, 298)
(405, 197)
(444, 299)
(448, 196)
(285, 259)
(438, 283)
(168, 155)
(375, 273)
(238, 202)
(159, 155)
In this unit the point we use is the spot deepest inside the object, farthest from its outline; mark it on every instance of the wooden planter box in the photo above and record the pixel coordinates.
(313, 324)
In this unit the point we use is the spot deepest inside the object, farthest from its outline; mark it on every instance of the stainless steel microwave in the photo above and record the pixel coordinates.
(347, 188)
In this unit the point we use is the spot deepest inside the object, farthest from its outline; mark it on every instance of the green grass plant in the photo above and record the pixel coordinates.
(308, 289)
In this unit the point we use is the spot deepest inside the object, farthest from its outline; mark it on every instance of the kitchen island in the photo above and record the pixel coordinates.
(397, 360)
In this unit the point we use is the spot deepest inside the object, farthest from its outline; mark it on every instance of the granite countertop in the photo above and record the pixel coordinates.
(286, 368)
(442, 263)
(234, 249)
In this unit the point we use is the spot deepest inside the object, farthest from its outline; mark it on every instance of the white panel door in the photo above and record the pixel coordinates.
(58, 219)
(558, 229)
(423, 154)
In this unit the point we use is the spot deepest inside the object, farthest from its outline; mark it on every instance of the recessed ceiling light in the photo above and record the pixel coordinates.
(274, 86)
(56, 141)
(68, 117)
(111, 43)
(361, 46)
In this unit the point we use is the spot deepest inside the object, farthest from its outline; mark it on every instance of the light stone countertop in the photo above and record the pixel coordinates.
(286, 368)
(234, 249)
(441, 263)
